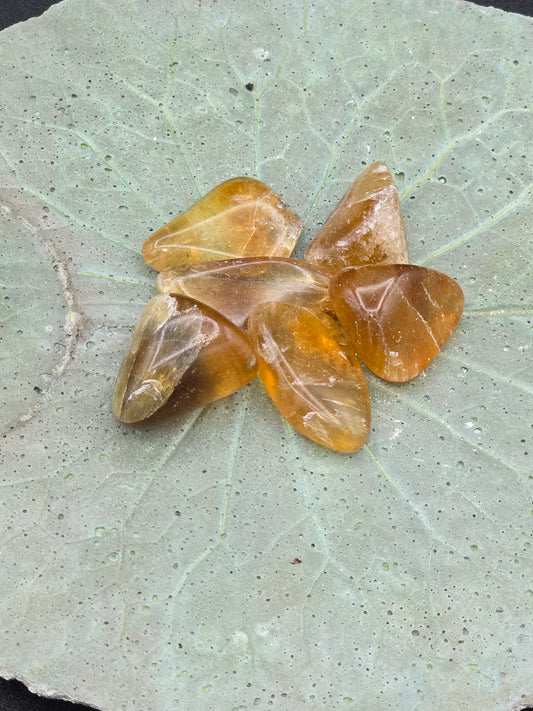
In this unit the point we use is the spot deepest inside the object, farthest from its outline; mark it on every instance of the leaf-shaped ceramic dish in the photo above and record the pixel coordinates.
(157, 568)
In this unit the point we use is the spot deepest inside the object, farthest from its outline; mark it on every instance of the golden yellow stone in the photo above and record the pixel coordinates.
(180, 347)
(236, 286)
(241, 217)
(397, 317)
(365, 228)
(311, 374)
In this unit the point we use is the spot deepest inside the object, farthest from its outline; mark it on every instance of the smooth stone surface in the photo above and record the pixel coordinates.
(241, 217)
(397, 317)
(365, 228)
(236, 286)
(181, 345)
(312, 375)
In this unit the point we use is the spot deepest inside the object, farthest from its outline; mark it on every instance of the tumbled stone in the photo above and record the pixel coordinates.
(241, 217)
(236, 286)
(397, 317)
(184, 346)
(365, 228)
(311, 374)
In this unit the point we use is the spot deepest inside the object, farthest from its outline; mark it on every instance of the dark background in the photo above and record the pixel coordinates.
(12, 11)
(13, 695)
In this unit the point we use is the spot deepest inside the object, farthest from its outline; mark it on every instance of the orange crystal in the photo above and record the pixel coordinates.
(311, 374)
(365, 228)
(241, 217)
(397, 317)
(236, 286)
(180, 347)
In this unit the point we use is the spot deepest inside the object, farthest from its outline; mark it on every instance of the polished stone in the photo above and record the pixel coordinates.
(365, 228)
(311, 374)
(236, 286)
(241, 217)
(397, 317)
(180, 346)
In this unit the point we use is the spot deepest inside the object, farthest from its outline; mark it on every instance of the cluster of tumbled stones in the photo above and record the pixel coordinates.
(232, 303)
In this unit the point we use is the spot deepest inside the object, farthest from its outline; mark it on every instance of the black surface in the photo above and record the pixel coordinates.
(12, 11)
(525, 7)
(13, 695)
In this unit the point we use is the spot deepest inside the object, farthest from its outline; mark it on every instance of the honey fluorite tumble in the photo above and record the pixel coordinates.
(184, 346)
(397, 317)
(311, 374)
(236, 286)
(365, 228)
(241, 217)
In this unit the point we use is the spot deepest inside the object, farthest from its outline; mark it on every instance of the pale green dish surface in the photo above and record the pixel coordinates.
(150, 568)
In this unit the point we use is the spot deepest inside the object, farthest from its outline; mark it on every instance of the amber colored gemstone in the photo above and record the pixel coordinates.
(239, 218)
(311, 374)
(236, 286)
(365, 228)
(397, 317)
(180, 346)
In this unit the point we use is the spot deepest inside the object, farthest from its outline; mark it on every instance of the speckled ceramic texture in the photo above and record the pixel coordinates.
(151, 568)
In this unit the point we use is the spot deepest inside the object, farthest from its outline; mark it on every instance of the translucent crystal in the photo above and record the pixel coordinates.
(180, 346)
(397, 317)
(365, 228)
(241, 217)
(236, 286)
(311, 374)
